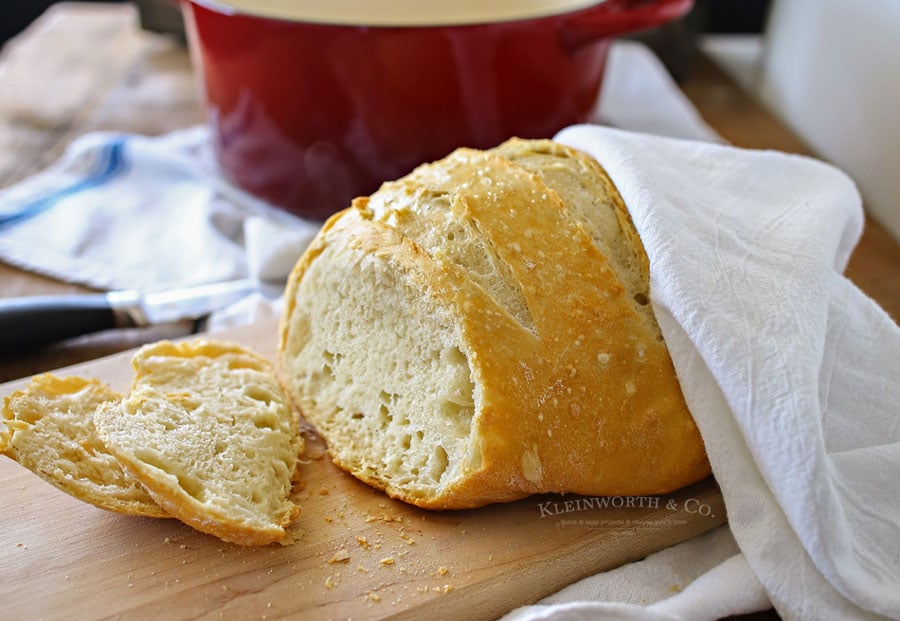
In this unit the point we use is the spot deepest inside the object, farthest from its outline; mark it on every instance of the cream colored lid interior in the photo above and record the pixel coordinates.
(398, 12)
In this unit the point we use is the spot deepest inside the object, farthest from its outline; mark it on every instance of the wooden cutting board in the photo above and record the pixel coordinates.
(353, 552)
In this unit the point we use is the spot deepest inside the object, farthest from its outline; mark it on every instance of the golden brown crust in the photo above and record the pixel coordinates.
(585, 398)
(517, 149)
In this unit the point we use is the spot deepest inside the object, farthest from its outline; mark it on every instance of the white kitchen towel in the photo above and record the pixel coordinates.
(124, 211)
(639, 95)
(792, 373)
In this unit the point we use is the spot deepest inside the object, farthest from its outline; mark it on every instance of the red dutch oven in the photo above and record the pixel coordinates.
(309, 109)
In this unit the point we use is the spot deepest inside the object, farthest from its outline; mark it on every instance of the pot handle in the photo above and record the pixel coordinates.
(616, 17)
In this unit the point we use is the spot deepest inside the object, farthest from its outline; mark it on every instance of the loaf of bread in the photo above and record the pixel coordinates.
(49, 429)
(210, 436)
(480, 330)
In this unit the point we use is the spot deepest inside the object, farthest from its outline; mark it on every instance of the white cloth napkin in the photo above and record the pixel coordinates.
(792, 374)
(638, 94)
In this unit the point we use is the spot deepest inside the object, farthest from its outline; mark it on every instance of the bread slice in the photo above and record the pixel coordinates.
(49, 429)
(208, 433)
(480, 330)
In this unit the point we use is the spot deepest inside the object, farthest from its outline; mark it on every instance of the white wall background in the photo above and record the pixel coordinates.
(831, 70)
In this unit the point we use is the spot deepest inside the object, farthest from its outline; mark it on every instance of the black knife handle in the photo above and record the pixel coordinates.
(31, 322)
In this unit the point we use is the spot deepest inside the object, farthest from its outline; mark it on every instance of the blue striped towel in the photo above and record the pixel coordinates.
(126, 211)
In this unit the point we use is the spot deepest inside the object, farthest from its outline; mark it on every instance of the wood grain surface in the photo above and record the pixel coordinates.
(353, 552)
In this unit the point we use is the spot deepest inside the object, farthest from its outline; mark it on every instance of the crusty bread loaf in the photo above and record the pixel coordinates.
(49, 429)
(209, 434)
(480, 330)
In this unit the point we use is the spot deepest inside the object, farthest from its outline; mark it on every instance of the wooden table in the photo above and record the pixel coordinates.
(86, 67)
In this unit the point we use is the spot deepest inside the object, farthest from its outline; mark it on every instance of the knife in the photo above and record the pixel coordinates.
(30, 322)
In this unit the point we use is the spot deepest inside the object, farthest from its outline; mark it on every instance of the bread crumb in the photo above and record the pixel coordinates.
(363, 542)
(329, 582)
(441, 571)
(373, 596)
(384, 518)
(387, 560)
(324, 491)
(675, 588)
(341, 556)
(362, 569)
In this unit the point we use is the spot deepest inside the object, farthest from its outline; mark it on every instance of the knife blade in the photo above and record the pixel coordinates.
(31, 322)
